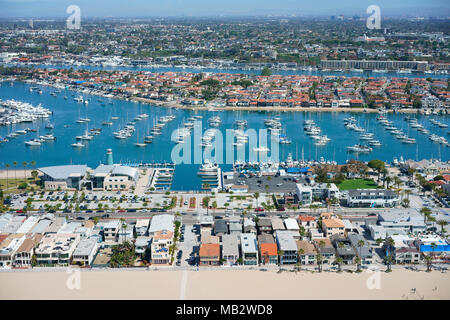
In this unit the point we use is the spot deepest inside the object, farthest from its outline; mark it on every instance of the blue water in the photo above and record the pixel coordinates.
(65, 112)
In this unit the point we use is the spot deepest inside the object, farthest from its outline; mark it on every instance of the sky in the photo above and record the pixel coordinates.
(188, 8)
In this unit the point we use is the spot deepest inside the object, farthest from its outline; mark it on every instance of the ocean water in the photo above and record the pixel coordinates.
(66, 112)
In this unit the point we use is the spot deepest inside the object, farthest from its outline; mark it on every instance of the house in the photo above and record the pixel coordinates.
(404, 249)
(364, 251)
(162, 241)
(287, 247)
(110, 229)
(56, 249)
(249, 226)
(343, 248)
(332, 226)
(235, 228)
(291, 225)
(349, 227)
(249, 249)
(220, 227)
(209, 254)
(125, 233)
(230, 249)
(307, 252)
(141, 244)
(9, 247)
(277, 224)
(23, 255)
(163, 222)
(326, 249)
(366, 198)
(264, 225)
(268, 249)
(408, 220)
(307, 222)
(141, 226)
(85, 252)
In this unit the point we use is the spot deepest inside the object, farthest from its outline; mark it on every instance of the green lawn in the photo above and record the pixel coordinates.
(357, 184)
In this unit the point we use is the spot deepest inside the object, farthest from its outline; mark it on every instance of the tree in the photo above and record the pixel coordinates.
(339, 261)
(358, 263)
(24, 164)
(388, 259)
(377, 165)
(266, 72)
(426, 214)
(15, 171)
(34, 174)
(7, 166)
(442, 224)
(280, 254)
(428, 261)
(256, 195)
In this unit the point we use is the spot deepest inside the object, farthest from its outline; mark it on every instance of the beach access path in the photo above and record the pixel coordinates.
(222, 283)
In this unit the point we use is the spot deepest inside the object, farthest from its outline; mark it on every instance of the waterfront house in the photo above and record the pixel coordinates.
(209, 254)
(85, 252)
(287, 247)
(307, 252)
(9, 247)
(56, 249)
(326, 250)
(162, 241)
(23, 255)
(110, 229)
(249, 249)
(125, 233)
(365, 251)
(332, 226)
(277, 224)
(141, 244)
(235, 228)
(249, 226)
(268, 249)
(307, 222)
(230, 249)
(343, 248)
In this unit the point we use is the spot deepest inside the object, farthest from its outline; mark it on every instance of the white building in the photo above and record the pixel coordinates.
(56, 249)
(249, 249)
(85, 252)
(163, 222)
(141, 226)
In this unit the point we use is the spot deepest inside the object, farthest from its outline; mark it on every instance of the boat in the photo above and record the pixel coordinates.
(78, 99)
(261, 149)
(33, 143)
(78, 145)
(358, 148)
(49, 126)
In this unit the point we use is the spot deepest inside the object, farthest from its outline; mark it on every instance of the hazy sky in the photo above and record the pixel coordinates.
(149, 8)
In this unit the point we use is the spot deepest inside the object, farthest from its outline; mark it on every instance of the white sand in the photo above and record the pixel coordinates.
(222, 284)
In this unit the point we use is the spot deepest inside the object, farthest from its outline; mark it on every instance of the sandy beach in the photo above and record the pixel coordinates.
(223, 284)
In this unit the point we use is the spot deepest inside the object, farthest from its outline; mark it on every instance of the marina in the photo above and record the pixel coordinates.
(388, 135)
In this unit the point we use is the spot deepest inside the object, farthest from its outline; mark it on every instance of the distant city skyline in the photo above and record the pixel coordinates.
(198, 8)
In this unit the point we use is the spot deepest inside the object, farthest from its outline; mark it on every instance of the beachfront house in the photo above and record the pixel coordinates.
(209, 254)
(307, 252)
(326, 250)
(23, 255)
(110, 229)
(264, 225)
(287, 248)
(9, 247)
(56, 249)
(162, 240)
(365, 251)
(343, 248)
(85, 252)
(141, 244)
(141, 226)
(268, 249)
(230, 249)
(249, 249)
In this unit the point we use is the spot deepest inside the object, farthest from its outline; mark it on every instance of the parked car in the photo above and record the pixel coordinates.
(259, 209)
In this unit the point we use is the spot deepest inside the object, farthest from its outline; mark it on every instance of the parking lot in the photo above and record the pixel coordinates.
(275, 184)
(189, 246)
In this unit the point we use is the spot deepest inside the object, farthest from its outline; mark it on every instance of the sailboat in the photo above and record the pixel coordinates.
(138, 144)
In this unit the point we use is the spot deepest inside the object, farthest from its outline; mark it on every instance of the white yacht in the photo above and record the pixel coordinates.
(78, 145)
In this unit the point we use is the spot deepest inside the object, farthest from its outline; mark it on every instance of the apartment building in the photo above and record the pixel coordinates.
(372, 198)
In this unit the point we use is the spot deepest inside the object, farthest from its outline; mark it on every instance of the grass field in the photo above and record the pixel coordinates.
(11, 187)
(357, 184)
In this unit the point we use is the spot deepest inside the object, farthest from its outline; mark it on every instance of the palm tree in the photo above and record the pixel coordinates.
(256, 195)
(24, 164)
(319, 261)
(442, 224)
(426, 214)
(300, 253)
(7, 166)
(33, 163)
(428, 260)
(15, 171)
(358, 263)
(388, 259)
(280, 254)
(361, 244)
(339, 261)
